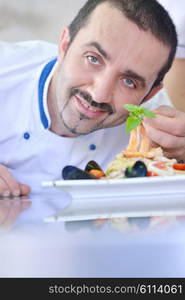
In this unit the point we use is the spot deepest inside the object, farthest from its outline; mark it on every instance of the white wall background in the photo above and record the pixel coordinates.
(36, 19)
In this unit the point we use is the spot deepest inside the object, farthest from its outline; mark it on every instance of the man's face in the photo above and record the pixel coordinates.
(111, 62)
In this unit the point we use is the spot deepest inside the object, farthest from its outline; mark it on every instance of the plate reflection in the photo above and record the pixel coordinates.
(153, 224)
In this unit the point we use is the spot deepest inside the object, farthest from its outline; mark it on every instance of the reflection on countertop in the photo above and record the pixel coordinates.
(130, 226)
(10, 209)
(115, 247)
(16, 212)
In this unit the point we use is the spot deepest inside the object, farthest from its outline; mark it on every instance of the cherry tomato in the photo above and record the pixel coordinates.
(160, 165)
(179, 166)
(151, 173)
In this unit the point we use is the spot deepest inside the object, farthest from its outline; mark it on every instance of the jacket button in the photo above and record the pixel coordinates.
(92, 147)
(26, 136)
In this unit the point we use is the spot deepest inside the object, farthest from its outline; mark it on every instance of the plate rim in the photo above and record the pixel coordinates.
(92, 182)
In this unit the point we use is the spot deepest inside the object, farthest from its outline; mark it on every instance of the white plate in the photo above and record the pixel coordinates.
(110, 189)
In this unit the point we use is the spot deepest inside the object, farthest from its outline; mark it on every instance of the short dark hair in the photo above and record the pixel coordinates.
(146, 14)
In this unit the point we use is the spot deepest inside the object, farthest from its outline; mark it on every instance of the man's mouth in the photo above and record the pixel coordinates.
(84, 107)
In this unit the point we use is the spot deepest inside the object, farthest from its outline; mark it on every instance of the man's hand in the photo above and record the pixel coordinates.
(9, 186)
(168, 131)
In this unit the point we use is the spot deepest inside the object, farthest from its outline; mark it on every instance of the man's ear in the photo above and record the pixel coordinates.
(153, 91)
(64, 43)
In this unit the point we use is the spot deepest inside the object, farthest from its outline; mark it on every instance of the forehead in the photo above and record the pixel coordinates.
(123, 40)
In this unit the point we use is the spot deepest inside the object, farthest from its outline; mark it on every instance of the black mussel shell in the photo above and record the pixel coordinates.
(92, 165)
(140, 222)
(74, 173)
(139, 169)
(130, 172)
(77, 225)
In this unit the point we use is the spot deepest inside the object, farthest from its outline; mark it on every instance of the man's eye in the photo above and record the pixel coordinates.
(128, 82)
(93, 59)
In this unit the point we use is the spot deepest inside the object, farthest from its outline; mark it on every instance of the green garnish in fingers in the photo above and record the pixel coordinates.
(136, 116)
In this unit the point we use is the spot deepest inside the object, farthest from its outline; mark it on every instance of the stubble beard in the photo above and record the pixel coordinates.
(74, 129)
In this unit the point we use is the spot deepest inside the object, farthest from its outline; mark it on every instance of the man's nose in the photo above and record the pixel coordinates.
(102, 89)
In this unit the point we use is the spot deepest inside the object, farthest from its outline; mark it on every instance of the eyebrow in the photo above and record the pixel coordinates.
(99, 48)
(135, 76)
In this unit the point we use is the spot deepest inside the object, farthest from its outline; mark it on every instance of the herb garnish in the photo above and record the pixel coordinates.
(136, 116)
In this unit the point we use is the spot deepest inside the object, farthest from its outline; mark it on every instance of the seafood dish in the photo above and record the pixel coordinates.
(139, 159)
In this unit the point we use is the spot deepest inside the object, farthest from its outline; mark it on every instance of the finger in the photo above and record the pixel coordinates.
(164, 139)
(179, 154)
(10, 181)
(170, 155)
(4, 188)
(166, 110)
(173, 126)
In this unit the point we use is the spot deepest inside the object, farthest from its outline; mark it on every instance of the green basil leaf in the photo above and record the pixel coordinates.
(148, 114)
(141, 110)
(130, 107)
(131, 124)
(136, 115)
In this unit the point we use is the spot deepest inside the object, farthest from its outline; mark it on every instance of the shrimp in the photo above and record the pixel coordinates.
(140, 145)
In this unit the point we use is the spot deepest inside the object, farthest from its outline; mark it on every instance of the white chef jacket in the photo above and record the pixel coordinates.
(176, 10)
(28, 148)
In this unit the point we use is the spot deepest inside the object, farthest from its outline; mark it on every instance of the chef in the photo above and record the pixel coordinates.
(63, 105)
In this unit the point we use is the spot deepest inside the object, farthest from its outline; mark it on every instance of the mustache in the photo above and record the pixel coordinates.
(86, 96)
